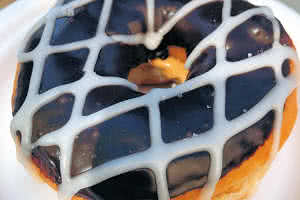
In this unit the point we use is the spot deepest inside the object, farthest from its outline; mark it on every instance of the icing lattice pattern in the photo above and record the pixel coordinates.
(160, 154)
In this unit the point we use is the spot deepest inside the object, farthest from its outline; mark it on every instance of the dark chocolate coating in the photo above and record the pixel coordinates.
(193, 114)
(205, 62)
(243, 145)
(181, 117)
(120, 136)
(106, 96)
(117, 59)
(194, 176)
(286, 68)
(139, 184)
(250, 39)
(67, 1)
(22, 85)
(68, 66)
(34, 39)
(80, 27)
(127, 17)
(252, 86)
(47, 158)
(52, 116)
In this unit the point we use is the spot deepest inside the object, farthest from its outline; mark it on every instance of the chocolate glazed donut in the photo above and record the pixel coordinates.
(181, 117)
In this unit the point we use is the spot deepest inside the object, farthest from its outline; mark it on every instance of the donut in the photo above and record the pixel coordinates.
(154, 99)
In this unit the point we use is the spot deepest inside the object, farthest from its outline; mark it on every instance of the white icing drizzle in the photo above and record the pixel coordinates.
(159, 155)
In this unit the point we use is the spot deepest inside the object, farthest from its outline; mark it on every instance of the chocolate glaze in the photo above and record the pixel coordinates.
(106, 96)
(249, 39)
(193, 114)
(67, 1)
(190, 30)
(243, 145)
(47, 158)
(286, 68)
(139, 184)
(205, 62)
(82, 26)
(35, 39)
(127, 17)
(252, 86)
(23, 81)
(120, 136)
(118, 59)
(68, 68)
(239, 7)
(193, 177)
(52, 116)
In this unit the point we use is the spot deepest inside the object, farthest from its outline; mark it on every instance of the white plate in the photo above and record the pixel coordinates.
(281, 183)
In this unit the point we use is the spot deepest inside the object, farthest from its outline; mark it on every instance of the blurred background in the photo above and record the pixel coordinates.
(3, 3)
(293, 3)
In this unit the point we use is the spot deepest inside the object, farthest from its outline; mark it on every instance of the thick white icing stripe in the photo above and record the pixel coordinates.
(160, 154)
(150, 15)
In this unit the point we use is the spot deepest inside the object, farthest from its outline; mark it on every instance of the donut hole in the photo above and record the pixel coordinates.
(34, 40)
(134, 185)
(165, 70)
(161, 68)
(195, 174)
